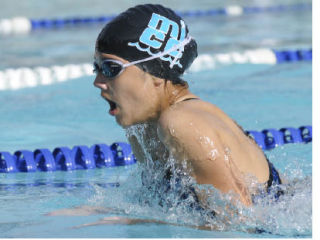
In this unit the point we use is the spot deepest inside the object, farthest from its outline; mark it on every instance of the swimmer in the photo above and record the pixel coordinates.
(140, 57)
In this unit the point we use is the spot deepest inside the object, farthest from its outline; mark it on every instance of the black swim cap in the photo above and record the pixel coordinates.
(145, 30)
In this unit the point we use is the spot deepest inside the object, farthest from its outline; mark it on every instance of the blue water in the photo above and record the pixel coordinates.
(72, 113)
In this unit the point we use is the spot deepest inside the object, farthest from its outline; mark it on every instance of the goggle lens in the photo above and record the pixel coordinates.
(109, 68)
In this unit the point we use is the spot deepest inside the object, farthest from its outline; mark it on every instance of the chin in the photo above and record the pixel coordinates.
(120, 123)
(123, 122)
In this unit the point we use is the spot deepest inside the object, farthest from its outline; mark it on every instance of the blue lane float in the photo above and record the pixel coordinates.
(120, 153)
(25, 25)
(270, 138)
(293, 55)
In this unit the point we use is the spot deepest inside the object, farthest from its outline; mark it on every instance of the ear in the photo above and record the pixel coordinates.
(157, 82)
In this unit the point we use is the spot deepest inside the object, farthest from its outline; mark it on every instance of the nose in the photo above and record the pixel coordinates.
(99, 82)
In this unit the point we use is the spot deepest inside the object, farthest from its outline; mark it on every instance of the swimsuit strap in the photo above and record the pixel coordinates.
(187, 99)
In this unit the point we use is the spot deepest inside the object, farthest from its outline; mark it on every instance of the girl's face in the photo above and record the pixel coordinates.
(133, 95)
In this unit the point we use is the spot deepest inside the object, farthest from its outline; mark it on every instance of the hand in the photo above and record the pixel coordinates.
(81, 211)
(121, 220)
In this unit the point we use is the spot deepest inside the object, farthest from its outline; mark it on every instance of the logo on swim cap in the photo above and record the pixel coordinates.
(154, 36)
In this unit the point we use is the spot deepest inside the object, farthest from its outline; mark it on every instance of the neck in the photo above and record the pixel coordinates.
(174, 94)
(166, 95)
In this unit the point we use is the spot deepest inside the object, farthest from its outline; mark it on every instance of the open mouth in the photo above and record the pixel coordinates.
(113, 106)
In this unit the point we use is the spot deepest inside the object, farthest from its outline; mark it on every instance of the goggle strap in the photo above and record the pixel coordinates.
(160, 54)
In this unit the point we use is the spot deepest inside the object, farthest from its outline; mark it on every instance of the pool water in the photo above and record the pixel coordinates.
(72, 113)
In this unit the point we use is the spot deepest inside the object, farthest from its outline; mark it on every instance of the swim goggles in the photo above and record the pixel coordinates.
(111, 68)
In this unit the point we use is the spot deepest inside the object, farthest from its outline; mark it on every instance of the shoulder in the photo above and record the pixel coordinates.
(190, 112)
(174, 115)
(186, 120)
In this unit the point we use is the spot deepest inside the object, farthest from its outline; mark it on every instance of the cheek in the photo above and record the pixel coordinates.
(141, 107)
(134, 90)
(142, 102)
(138, 96)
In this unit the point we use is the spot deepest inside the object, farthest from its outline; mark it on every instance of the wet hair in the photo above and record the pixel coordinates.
(124, 35)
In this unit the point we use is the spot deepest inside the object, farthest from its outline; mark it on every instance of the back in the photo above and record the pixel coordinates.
(246, 154)
(219, 151)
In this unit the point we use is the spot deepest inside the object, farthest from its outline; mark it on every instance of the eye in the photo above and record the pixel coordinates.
(96, 68)
(111, 69)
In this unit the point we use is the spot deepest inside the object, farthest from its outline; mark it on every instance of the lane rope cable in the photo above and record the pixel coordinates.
(120, 154)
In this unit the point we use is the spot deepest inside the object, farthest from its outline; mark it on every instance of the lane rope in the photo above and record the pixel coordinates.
(120, 153)
(23, 25)
(14, 79)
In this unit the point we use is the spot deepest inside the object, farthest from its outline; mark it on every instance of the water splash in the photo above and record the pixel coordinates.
(160, 188)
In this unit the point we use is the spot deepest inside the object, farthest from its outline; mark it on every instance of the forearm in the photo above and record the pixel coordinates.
(133, 221)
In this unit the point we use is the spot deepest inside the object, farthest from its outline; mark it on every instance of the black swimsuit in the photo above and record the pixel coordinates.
(189, 191)
(272, 184)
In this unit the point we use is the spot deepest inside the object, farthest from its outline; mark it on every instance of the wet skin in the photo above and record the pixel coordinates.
(215, 148)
